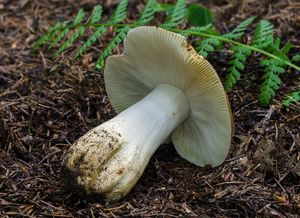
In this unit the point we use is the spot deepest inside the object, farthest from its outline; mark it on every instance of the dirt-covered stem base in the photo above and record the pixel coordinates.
(110, 158)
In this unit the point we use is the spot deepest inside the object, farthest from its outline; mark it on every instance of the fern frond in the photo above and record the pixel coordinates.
(263, 35)
(207, 45)
(99, 31)
(79, 17)
(296, 58)
(290, 98)
(279, 52)
(204, 29)
(148, 13)
(239, 54)
(236, 63)
(58, 38)
(239, 31)
(107, 51)
(119, 14)
(207, 29)
(177, 16)
(272, 69)
(70, 40)
(263, 42)
(286, 48)
(96, 15)
(267, 90)
(47, 37)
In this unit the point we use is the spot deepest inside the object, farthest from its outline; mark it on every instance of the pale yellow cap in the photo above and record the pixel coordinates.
(152, 56)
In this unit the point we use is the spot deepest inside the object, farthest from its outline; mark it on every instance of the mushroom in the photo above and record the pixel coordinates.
(162, 90)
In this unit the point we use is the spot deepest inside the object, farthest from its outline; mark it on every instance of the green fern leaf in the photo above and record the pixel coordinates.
(96, 14)
(58, 38)
(276, 42)
(272, 69)
(47, 37)
(236, 63)
(89, 42)
(148, 13)
(79, 17)
(286, 48)
(70, 40)
(272, 65)
(239, 31)
(239, 54)
(203, 29)
(231, 78)
(40, 41)
(177, 16)
(107, 51)
(119, 14)
(263, 35)
(296, 58)
(57, 31)
(207, 45)
(198, 15)
(267, 92)
(277, 51)
(207, 29)
(290, 98)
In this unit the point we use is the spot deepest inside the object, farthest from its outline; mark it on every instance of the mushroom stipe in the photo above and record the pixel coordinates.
(162, 90)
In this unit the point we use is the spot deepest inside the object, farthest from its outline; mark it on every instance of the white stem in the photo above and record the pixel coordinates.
(150, 121)
(111, 158)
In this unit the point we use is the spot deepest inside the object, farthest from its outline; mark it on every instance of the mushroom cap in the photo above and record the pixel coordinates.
(152, 56)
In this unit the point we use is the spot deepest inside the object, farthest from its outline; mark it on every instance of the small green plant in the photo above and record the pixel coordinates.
(273, 59)
(196, 11)
(290, 98)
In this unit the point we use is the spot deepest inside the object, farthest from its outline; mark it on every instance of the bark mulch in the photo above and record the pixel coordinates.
(46, 104)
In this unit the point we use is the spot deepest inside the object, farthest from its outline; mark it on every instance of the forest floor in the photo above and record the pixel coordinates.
(45, 105)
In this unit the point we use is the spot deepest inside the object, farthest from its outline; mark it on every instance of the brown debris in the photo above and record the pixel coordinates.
(45, 106)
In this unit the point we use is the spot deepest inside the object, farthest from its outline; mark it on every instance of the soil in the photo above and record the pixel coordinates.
(47, 103)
